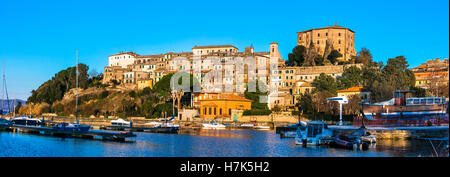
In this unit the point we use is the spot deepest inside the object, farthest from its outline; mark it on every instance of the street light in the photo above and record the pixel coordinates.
(341, 100)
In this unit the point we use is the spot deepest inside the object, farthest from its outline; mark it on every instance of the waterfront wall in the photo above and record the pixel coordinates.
(263, 119)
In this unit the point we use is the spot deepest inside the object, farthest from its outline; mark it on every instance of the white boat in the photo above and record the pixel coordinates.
(26, 121)
(315, 133)
(120, 123)
(167, 125)
(247, 125)
(262, 127)
(213, 125)
(154, 124)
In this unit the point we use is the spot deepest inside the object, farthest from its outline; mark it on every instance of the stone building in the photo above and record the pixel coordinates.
(335, 37)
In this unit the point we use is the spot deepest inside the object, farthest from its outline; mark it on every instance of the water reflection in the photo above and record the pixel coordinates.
(203, 143)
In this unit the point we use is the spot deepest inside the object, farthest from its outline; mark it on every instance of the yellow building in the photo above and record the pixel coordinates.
(142, 83)
(339, 38)
(361, 91)
(221, 105)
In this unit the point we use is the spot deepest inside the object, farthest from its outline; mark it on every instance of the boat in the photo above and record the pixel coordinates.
(213, 125)
(365, 136)
(4, 122)
(292, 127)
(153, 124)
(71, 127)
(261, 127)
(167, 125)
(315, 133)
(121, 123)
(26, 121)
(404, 111)
(247, 125)
(350, 142)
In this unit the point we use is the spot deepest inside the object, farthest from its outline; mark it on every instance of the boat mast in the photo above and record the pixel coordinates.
(14, 109)
(76, 90)
(3, 88)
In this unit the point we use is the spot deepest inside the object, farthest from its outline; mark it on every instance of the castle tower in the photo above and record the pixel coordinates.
(274, 50)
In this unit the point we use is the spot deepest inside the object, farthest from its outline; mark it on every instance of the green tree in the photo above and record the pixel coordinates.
(297, 57)
(325, 83)
(333, 56)
(352, 77)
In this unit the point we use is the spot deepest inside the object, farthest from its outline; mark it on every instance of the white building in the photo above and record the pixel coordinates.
(122, 59)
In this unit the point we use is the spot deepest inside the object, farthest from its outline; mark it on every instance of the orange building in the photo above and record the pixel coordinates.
(221, 105)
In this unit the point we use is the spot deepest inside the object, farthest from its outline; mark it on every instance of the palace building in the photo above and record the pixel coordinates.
(334, 37)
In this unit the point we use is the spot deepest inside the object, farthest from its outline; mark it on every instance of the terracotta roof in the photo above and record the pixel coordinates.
(329, 27)
(212, 46)
(129, 53)
(352, 89)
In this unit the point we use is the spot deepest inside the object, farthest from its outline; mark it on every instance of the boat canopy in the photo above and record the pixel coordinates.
(385, 103)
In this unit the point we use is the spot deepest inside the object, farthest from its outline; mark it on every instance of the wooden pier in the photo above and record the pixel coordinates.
(91, 134)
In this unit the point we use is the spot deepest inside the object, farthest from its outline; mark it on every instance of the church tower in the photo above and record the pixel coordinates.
(274, 50)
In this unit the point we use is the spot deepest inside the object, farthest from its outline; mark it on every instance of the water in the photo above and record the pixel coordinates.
(206, 143)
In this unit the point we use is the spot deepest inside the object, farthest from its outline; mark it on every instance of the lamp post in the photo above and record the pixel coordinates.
(341, 100)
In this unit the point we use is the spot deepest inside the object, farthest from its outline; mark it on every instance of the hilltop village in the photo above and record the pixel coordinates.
(323, 64)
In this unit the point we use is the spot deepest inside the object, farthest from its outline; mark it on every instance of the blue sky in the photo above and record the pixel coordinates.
(39, 38)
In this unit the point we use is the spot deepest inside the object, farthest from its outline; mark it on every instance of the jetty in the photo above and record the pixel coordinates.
(173, 130)
(48, 131)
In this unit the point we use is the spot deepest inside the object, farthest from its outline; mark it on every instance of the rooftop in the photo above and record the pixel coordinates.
(329, 27)
(352, 89)
(213, 46)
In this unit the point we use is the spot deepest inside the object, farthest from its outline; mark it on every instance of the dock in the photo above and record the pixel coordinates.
(173, 130)
(48, 131)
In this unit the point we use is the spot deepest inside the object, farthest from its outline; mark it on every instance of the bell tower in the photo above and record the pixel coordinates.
(274, 50)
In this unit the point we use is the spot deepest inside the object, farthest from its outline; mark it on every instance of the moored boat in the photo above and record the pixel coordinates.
(315, 133)
(26, 121)
(404, 111)
(120, 123)
(72, 127)
(213, 125)
(350, 142)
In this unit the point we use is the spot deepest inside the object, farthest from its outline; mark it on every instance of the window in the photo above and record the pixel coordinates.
(326, 34)
(220, 111)
(339, 41)
(214, 111)
(339, 34)
(209, 111)
(204, 111)
(318, 34)
(318, 42)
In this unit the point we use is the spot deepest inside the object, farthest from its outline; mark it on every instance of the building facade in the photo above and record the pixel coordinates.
(332, 37)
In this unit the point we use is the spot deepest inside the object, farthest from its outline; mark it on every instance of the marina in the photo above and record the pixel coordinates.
(202, 143)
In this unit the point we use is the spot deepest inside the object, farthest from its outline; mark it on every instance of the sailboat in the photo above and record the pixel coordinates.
(4, 88)
(73, 126)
